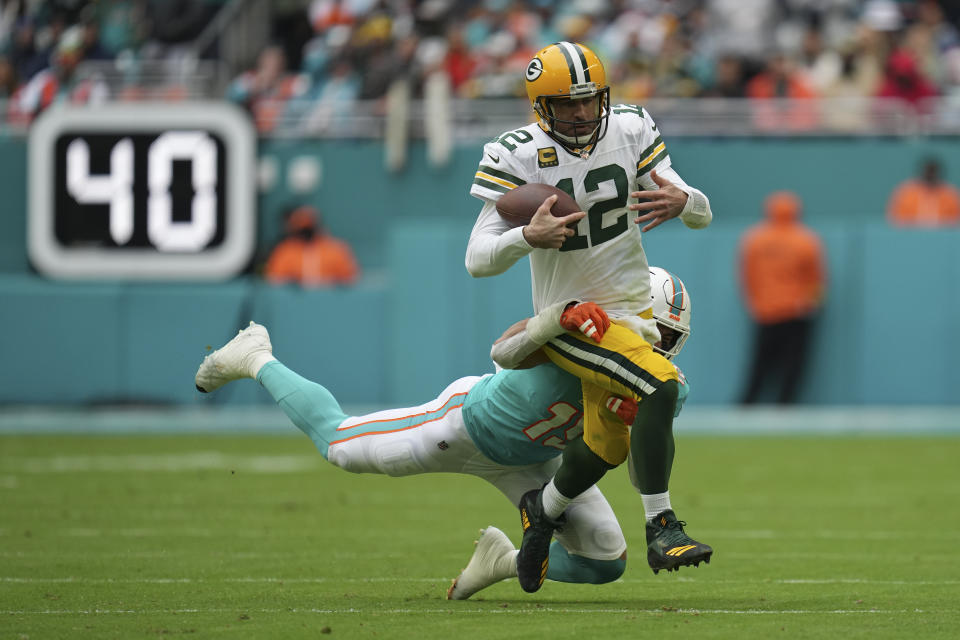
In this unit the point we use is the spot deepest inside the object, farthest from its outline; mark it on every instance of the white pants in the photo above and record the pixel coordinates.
(432, 438)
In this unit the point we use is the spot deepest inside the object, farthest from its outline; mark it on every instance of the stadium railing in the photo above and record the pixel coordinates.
(480, 119)
(477, 119)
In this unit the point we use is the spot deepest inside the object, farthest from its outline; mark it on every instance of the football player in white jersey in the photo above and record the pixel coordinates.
(612, 160)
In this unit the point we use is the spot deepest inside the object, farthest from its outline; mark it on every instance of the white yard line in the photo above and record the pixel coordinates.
(173, 462)
(825, 534)
(318, 554)
(762, 534)
(385, 579)
(791, 581)
(453, 608)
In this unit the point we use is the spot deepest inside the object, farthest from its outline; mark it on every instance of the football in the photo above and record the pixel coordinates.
(518, 205)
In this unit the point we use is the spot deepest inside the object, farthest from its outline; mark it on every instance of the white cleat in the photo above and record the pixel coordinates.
(242, 357)
(494, 559)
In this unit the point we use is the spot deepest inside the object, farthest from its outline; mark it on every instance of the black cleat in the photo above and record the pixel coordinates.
(668, 547)
(534, 554)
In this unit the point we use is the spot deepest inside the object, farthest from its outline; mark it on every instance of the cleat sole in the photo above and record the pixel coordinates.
(657, 563)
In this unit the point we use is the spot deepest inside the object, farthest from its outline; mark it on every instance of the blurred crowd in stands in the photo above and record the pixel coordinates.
(335, 52)
(45, 43)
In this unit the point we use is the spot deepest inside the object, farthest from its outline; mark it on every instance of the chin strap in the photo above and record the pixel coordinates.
(574, 141)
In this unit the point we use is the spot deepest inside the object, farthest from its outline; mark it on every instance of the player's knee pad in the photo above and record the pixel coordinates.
(608, 538)
(662, 402)
(667, 393)
(398, 459)
(393, 458)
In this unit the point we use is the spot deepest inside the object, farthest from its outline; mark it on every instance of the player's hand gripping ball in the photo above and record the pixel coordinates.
(587, 318)
(518, 205)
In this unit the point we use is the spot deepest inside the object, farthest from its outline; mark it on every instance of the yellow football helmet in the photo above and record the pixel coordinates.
(568, 71)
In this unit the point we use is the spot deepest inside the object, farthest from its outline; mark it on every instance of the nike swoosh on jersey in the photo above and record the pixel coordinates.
(494, 158)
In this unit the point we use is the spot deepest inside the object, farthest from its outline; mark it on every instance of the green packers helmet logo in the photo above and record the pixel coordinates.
(534, 69)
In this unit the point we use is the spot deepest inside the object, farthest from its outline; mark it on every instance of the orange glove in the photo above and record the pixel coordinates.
(587, 318)
(625, 408)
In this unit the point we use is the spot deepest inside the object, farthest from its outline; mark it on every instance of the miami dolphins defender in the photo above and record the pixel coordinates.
(508, 428)
(612, 160)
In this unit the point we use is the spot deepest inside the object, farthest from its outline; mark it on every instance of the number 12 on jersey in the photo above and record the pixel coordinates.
(597, 233)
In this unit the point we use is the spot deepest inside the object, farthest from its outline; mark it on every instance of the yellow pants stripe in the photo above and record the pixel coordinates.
(623, 364)
(601, 362)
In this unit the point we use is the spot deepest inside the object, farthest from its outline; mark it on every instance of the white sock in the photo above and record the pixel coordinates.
(507, 564)
(655, 503)
(258, 360)
(554, 502)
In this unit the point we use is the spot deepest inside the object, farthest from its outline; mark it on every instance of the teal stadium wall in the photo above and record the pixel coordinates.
(888, 334)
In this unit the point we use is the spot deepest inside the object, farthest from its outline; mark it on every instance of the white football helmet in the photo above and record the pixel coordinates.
(671, 308)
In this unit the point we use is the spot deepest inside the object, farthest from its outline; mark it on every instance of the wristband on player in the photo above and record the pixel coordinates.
(509, 353)
(546, 324)
(696, 213)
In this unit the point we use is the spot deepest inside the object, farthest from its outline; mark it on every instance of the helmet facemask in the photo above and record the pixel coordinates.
(672, 337)
(582, 133)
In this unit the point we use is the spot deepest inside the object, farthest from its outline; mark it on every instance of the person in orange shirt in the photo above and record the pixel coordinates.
(926, 201)
(783, 277)
(308, 255)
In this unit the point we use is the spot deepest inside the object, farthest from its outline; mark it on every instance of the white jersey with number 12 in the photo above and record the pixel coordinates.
(605, 261)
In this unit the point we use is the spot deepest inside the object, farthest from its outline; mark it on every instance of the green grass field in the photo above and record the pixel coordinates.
(255, 536)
